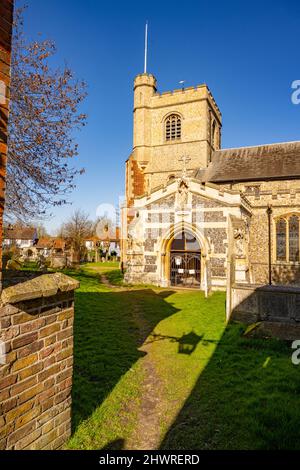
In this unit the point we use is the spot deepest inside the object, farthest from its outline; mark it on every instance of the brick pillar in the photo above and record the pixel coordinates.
(36, 335)
(6, 20)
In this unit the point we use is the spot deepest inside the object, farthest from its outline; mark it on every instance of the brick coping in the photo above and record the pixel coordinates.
(45, 285)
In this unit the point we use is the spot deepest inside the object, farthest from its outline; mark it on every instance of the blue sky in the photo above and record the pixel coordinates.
(247, 53)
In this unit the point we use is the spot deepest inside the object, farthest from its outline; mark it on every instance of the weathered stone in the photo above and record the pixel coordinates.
(64, 384)
(5, 431)
(66, 333)
(17, 411)
(43, 286)
(25, 362)
(30, 348)
(9, 333)
(66, 314)
(45, 440)
(64, 374)
(62, 396)
(49, 361)
(5, 322)
(34, 325)
(14, 264)
(27, 417)
(50, 340)
(20, 433)
(23, 340)
(8, 310)
(4, 395)
(63, 417)
(65, 283)
(22, 317)
(24, 385)
(46, 395)
(5, 370)
(49, 330)
(64, 354)
(32, 370)
(27, 440)
(7, 381)
(48, 427)
(274, 306)
(47, 404)
(48, 372)
(32, 392)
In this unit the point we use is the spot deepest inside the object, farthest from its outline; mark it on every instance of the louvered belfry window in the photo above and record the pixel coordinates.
(173, 127)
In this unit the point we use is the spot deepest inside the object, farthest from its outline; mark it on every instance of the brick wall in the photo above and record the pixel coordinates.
(6, 19)
(36, 320)
(138, 179)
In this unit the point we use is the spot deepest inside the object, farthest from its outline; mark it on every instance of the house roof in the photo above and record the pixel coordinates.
(20, 233)
(56, 243)
(272, 161)
(44, 243)
(59, 243)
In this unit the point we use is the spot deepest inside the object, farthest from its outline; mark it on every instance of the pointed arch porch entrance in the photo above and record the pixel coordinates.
(185, 261)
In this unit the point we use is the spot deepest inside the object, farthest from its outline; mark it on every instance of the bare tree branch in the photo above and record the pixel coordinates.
(44, 114)
(77, 229)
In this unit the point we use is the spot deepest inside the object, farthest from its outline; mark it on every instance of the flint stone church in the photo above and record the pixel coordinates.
(199, 216)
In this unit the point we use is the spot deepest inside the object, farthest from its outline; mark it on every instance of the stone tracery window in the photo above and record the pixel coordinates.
(281, 240)
(287, 238)
(173, 127)
(294, 238)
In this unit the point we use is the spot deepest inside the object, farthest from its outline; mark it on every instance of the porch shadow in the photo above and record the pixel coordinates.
(246, 398)
(108, 326)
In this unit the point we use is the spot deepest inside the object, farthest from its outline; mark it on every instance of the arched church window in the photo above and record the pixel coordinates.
(294, 238)
(173, 127)
(281, 240)
(287, 238)
(185, 241)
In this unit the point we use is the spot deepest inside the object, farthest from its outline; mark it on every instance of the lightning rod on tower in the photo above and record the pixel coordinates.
(146, 47)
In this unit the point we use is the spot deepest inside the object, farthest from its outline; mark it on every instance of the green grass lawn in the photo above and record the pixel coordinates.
(160, 367)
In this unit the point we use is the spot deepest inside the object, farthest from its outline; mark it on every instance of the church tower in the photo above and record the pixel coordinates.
(166, 126)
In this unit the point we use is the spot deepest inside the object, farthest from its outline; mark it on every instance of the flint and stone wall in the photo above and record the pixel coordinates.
(36, 334)
(144, 257)
(284, 198)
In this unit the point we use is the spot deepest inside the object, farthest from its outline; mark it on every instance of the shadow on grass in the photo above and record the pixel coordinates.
(247, 397)
(108, 330)
(117, 444)
(187, 343)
